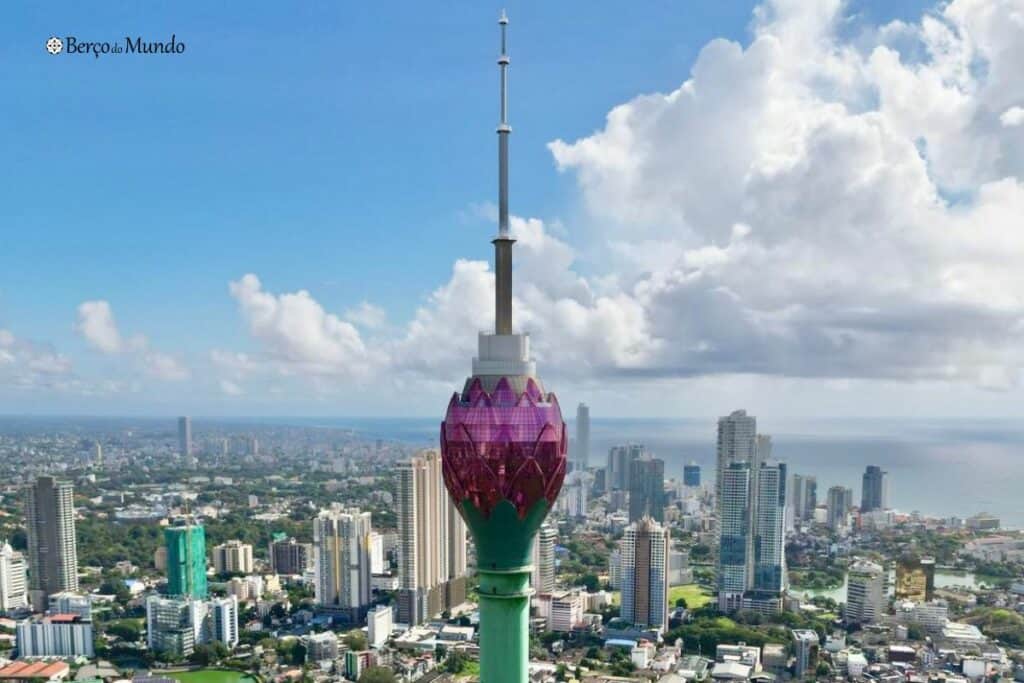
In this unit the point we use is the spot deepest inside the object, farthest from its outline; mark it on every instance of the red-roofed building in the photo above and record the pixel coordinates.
(34, 671)
(62, 618)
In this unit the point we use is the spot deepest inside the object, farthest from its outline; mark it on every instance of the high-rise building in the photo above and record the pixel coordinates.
(341, 541)
(803, 497)
(52, 548)
(737, 442)
(644, 574)
(840, 500)
(575, 494)
(233, 557)
(915, 578)
(431, 542)
(376, 552)
(805, 648)
(171, 624)
(647, 489)
(734, 535)
(865, 592)
(186, 560)
(59, 635)
(751, 495)
(582, 459)
(768, 538)
(185, 437)
(810, 497)
(71, 603)
(13, 581)
(175, 625)
(691, 474)
(379, 622)
(620, 460)
(223, 620)
(543, 577)
(566, 611)
(615, 568)
(796, 498)
(875, 489)
(503, 445)
(97, 455)
(288, 556)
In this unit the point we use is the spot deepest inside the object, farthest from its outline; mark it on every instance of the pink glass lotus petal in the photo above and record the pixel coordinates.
(503, 445)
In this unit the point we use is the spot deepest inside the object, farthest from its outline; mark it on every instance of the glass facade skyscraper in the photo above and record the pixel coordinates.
(875, 489)
(647, 489)
(768, 532)
(734, 534)
(751, 495)
(691, 474)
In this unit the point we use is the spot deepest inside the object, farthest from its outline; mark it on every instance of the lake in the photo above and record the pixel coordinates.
(943, 579)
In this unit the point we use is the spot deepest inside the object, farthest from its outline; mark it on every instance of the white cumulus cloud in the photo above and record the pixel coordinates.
(296, 331)
(96, 324)
(1014, 116)
(817, 203)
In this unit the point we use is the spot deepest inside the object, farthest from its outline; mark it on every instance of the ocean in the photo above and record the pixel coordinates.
(942, 468)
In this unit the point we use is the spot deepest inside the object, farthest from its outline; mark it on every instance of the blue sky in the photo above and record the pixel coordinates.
(340, 148)
(317, 144)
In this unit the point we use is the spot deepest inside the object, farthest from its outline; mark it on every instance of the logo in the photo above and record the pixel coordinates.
(73, 45)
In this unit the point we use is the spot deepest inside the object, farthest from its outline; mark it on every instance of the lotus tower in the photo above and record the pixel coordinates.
(503, 453)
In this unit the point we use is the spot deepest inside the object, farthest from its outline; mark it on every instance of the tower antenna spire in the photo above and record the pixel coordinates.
(503, 242)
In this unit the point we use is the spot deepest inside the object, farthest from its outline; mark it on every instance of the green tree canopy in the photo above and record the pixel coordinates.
(377, 674)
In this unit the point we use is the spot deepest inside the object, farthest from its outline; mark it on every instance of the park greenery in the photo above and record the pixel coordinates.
(1002, 624)
(377, 674)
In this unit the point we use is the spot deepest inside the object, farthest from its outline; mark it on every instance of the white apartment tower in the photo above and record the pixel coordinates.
(865, 592)
(376, 553)
(341, 542)
(223, 620)
(431, 542)
(177, 625)
(737, 442)
(379, 622)
(644, 574)
(13, 581)
(52, 549)
(543, 576)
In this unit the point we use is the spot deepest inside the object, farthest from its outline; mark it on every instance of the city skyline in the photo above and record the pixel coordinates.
(82, 332)
(288, 317)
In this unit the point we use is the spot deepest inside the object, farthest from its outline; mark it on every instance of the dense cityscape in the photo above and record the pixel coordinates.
(303, 553)
(512, 546)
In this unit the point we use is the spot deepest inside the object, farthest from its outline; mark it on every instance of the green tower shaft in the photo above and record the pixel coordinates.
(504, 625)
(504, 544)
